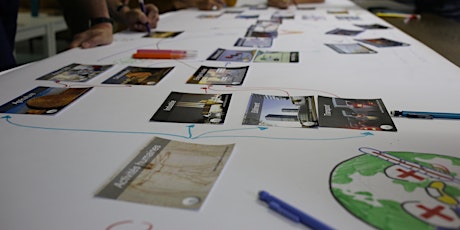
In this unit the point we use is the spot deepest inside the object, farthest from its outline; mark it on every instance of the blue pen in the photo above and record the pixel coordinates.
(426, 115)
(290, 212)
(142, 6)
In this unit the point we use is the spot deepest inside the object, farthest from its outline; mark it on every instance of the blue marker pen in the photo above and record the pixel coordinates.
(142, 6)
(426, 115)
(291, 213)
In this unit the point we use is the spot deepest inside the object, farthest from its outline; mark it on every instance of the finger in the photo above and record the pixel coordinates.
(77, 40)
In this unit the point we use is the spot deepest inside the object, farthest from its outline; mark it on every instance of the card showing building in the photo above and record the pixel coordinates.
(365, 114)
(207, 75)
(281, 111)
(169, 173)
(132, 75)
(193, 108)
(43, 100)
(75, 73)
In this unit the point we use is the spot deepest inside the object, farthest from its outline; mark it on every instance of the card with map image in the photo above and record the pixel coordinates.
(133, 75)
(281, 111)
(193, 108)
(43, 100)
(75, 73)
(348, 113)
(207, 75)
(169, 173)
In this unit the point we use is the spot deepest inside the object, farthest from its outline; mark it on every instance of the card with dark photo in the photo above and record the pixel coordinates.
(344, 32)
(132, 75)
(364, 114)
(260, 42)
(43, 100)
(351, 48)
(207, 75)
(232, 55)
(193, 108)
(163, 34)
(371, 26)
(75, 73)
(382, 42)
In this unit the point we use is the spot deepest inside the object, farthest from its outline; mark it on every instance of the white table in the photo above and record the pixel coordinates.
(43, 25)
(52, 166)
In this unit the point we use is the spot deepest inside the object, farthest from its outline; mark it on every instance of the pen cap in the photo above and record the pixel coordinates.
(395, 113)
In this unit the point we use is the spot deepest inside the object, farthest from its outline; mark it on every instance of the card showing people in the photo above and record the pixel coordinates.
(351, 48)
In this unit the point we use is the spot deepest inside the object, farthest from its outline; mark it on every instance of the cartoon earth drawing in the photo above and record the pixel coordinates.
(400, 190)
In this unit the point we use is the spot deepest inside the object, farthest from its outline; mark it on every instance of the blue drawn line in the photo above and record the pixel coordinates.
(228, 130)
(190, 135)
(294, 138)
(7, 118)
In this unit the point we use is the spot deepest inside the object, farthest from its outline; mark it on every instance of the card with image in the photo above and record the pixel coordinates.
(382, 42)
(350, 48)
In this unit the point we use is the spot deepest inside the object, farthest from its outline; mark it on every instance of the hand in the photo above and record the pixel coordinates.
(282, 4)
(210, 4)
(99, 34)
(135, 19)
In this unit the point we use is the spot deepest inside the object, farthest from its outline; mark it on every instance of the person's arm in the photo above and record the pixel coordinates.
(100, 32)
(283, 4)
(134, 19)
(200, 4)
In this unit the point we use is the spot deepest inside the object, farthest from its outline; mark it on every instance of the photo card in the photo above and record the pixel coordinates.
(277, 56)
(281, 111)
(133, 75)
(207, 75)
(350, 48)
(193, 108)
(75, 73)
(259, 42)
(43, 100)
(344, 32)
(347, 113)
(169, 173)
(382, 42)
(163, 34)
(232, 55)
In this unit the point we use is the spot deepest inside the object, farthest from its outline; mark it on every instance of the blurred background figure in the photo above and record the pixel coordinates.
(283, 4)
(8, 23)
